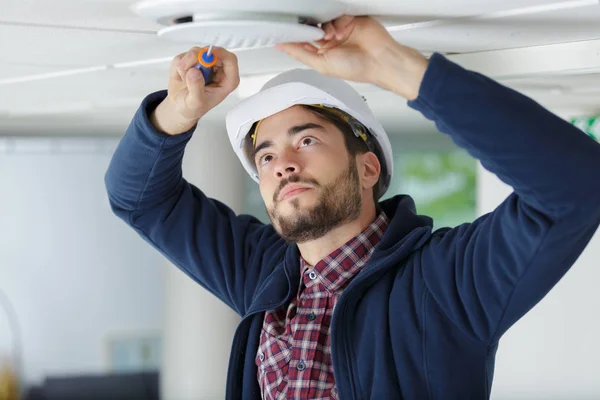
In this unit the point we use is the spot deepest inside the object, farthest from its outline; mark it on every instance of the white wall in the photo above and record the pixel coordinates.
(553, 352)
(74, 272)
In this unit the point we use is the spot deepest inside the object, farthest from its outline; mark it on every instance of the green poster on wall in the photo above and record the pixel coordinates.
(590, 125)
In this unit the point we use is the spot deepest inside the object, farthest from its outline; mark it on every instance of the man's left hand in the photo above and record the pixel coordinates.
(360, 49)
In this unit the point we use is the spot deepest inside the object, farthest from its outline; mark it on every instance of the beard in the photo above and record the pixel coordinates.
(340, 202)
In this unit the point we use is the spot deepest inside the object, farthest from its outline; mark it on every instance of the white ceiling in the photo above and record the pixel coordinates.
(548, 49)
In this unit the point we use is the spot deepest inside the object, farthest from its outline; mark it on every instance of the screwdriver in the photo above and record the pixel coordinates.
(206, 61)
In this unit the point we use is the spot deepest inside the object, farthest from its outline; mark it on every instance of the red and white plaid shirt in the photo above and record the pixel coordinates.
(294, 355)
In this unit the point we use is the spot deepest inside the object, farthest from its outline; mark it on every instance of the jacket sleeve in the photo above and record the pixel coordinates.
(201, 236)
(488, 274)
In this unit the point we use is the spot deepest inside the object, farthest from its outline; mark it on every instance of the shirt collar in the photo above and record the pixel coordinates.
(336, 270)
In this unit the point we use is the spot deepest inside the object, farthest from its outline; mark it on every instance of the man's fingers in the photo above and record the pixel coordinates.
(311, 48)
(182, 62)
(228, 62)
(195, 85)
(337, 28)
(343, 21)
(324, 45)
(329, 30)
(301, 53)
(190, 58)
(329, 45)
(344, 27)
(174, 68)
(336, 33)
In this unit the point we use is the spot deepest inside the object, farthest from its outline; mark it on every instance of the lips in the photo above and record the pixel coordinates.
(292, 190)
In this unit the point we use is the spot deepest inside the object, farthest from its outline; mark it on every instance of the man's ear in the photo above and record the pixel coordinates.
(370, 171)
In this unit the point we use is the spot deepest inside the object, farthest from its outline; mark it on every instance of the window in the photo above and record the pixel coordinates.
(442, 183)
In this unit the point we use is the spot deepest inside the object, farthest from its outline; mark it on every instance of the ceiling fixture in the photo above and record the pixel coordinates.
(247, 24)
(240, 24)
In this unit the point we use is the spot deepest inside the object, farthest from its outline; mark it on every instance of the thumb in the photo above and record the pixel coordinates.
(195, 83)
(306, 53)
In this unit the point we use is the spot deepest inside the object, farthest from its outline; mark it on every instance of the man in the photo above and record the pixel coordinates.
(344, 296)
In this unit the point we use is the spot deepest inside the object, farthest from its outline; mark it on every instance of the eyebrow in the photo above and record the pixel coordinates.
(293, 131)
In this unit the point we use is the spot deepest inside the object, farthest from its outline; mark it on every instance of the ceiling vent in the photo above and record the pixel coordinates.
(240, 24)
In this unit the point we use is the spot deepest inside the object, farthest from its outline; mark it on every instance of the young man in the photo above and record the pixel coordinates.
(344, 296)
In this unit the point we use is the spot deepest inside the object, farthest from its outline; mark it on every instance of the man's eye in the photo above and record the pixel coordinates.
(307, 141)
(265, 159)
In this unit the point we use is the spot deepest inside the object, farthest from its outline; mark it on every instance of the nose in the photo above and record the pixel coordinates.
(285, 167)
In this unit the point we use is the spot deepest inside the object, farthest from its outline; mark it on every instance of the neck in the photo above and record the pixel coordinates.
(315, 250)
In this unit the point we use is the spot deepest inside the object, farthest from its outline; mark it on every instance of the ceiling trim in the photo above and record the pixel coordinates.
(574, 58)
(74, 27)
(542, 8)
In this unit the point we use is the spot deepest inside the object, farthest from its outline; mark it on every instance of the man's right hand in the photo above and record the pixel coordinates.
(188, 98)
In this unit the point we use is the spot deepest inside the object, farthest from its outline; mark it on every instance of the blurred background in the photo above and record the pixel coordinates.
(89, 310)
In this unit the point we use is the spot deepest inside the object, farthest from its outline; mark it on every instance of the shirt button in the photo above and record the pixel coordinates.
(312, 316)
(301, 366)
(261, 357)
(312, 275)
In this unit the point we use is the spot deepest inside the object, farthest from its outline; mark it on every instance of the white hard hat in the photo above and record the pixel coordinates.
(308, 87)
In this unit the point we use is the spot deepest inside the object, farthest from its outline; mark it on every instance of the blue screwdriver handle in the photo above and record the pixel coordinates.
(207, 73)
(206, 62)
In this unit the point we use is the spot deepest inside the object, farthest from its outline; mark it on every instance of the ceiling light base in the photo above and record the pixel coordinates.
(169, 12)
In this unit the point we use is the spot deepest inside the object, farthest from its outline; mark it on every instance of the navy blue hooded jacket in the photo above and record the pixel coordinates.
(422, 320)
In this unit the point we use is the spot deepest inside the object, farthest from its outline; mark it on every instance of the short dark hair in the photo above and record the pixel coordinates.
(355, 145)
